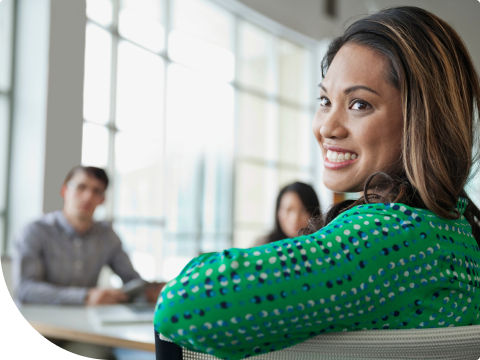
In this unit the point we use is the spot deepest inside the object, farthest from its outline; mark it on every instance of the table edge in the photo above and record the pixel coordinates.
(98, 339)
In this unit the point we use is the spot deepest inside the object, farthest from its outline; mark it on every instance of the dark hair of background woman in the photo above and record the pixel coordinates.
(309, 200)
(430, 66)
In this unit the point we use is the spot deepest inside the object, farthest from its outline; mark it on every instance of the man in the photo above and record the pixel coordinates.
(59, 257)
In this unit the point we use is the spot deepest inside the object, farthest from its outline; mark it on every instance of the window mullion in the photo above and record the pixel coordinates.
(111, 123)
(235, 127)
(167, 17)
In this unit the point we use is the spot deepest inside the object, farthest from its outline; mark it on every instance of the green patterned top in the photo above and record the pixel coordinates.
(377, 266)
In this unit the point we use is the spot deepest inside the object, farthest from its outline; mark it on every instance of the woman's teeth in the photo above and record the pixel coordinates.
(334, 156)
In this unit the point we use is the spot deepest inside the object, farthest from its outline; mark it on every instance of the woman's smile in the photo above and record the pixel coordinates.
(338, 158)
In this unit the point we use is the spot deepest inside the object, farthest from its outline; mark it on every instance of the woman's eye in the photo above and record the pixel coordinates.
(360, 105)
(324, 101)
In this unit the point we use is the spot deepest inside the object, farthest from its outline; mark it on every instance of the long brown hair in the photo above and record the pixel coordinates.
(431, 67)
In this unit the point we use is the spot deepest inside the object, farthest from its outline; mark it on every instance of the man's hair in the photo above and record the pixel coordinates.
(95, 172)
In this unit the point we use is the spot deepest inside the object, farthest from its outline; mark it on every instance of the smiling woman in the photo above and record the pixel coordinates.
(397, 120)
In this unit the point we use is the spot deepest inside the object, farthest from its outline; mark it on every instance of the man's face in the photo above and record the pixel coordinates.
(81, 195)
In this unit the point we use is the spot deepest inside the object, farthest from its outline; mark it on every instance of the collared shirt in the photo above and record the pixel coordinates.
(53, 264)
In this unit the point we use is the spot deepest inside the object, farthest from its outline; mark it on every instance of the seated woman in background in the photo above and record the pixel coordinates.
(398, 119)
(296, 204)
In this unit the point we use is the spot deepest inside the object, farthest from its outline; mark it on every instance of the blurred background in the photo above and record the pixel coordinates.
(200, 110)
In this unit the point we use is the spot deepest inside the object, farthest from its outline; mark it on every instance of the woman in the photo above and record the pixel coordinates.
(296, 204)
(400, 97)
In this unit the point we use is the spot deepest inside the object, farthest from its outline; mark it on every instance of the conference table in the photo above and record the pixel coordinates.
(74, 323)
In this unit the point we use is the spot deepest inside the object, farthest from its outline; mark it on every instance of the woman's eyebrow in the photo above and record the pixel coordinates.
(359, 87)
(351, 89)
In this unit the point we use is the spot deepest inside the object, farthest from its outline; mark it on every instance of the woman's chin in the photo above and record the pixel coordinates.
(292, 234)
(341, 186)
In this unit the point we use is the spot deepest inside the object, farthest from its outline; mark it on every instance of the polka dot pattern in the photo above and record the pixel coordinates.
(377, 266)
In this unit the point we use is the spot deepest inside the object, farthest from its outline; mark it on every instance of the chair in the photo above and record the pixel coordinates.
(452, 343)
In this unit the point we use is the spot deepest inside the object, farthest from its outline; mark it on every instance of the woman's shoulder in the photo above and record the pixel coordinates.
(390, 219)
(385, 211)
(384, 219)
(403, 213)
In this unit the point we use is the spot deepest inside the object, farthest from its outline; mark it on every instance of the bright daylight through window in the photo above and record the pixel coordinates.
(200, 117)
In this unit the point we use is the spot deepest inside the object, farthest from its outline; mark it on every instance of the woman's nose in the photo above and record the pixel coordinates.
(331, 125)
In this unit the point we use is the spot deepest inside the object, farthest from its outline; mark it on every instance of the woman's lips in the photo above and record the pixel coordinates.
(338, 157)
(337, 165)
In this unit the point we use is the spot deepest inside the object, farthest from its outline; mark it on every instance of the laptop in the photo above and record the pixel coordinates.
(121, 314)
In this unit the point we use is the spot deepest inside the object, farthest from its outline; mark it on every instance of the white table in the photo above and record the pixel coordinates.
(72, 323)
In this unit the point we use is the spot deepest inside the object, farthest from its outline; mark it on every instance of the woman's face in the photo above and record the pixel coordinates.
(359, 122)
(292, 215)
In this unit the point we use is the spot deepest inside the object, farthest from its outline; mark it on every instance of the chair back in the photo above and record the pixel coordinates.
(452, 343)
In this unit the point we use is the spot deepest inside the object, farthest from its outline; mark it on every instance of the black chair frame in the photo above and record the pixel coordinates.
(166, 350)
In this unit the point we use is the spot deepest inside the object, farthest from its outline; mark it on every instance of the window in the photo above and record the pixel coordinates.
(6, 57)
(199, 116)
(274, 111)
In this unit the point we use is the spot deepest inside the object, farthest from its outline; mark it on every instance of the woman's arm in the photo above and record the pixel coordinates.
(249, 301)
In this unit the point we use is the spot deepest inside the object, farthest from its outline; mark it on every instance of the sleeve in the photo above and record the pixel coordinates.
(120, 262)
(245, 302)
(28, 273)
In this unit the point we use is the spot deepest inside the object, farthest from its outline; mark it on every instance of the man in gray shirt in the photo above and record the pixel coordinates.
(58, 258)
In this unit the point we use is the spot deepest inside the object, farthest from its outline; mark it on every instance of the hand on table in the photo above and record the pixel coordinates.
(97, 296)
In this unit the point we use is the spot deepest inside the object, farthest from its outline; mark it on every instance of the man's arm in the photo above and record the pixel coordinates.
(120, 262)
(29, 272)
(122, 266)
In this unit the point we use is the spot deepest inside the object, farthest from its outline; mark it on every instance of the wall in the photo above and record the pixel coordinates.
(65, 97)
(305, 16)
